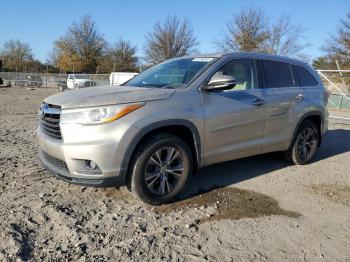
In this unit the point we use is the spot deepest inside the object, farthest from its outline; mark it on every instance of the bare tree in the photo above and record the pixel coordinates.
(122, 56)
(172, 38)
(284, 38)
(251, 31)
(82, 47)
(16, 55)
(245, 32)
(338, 46)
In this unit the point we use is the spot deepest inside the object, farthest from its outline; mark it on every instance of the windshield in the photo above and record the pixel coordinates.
(175, 73)
(81, 77)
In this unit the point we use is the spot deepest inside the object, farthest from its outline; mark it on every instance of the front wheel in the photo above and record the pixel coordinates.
(162, 165)
(304, 145)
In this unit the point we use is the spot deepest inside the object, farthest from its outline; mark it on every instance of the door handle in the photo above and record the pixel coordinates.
(300, 97)
(259, 102)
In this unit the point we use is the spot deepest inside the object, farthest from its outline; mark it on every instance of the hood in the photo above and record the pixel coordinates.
(106, 95)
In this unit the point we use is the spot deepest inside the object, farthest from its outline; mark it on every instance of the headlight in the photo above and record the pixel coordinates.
(96, 115)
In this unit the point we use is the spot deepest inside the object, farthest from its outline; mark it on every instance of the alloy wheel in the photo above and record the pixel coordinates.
(164, 170)
(307, 144)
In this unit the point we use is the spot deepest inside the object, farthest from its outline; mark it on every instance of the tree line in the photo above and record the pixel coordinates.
(83, 48)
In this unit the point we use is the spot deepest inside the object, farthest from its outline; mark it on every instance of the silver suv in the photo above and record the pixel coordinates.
(154, 131)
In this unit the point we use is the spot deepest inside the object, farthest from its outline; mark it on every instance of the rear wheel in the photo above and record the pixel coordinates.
(162, 165)
(304, 145)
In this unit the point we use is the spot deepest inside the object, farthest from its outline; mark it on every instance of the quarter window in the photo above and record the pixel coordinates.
(243, 71)
(304, 76)
(277, 74)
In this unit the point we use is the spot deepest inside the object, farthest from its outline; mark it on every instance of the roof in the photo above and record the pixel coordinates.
(252, 55)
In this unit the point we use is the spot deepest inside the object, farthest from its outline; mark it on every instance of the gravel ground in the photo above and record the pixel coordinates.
(256, 209)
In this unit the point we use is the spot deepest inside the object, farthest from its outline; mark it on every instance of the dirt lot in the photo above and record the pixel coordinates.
(256, 209)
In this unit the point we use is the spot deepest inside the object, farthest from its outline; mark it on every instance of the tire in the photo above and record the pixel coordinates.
(155, 180)
(304, 145)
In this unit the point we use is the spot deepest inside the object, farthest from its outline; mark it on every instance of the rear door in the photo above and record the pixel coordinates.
(282, 99)
(234, 119)
(310, 87)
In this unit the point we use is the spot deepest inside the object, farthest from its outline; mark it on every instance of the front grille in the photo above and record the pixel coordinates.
(49, 118)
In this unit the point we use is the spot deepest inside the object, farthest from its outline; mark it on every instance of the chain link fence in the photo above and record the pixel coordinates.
(338, 83)
(50, 80)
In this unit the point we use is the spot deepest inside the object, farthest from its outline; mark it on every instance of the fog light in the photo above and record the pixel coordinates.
(92, 164)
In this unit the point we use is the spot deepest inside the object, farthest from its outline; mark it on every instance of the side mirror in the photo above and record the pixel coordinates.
(220, 82)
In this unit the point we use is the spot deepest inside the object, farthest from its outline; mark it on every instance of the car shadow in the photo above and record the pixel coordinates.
(335, 142)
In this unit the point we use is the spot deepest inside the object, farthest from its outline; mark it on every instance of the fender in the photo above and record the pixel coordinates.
(144, 131)
(308, 114)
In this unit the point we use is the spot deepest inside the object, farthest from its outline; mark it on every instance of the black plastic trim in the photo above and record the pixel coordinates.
(64, 175)
(144, 131)
(311, 113)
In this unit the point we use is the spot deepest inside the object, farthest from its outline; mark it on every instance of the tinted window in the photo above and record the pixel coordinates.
(304, 76)
(277, 74)
(243, 71)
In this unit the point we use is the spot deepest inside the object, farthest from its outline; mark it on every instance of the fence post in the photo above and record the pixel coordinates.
(340, 102)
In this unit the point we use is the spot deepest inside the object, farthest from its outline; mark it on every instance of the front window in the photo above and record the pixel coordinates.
(243, 71)
(175, 73)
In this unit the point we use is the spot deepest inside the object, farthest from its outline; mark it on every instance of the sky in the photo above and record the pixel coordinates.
(40, 22)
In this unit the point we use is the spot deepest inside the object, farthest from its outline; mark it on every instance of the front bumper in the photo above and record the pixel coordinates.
(106, 145)
(59, 169)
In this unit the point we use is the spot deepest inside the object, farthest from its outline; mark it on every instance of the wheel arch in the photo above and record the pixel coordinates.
(185, 129)
(315, 116)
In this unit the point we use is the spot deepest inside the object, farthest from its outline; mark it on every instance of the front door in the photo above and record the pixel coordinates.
(235, 118)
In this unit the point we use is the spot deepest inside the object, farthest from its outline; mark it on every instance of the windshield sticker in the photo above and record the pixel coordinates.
(202, 59)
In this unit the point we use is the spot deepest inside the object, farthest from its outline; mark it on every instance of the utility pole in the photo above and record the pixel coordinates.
(140, 64)
(46, 74)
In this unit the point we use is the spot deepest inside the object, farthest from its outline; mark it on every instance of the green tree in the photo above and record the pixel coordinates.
(324, 62)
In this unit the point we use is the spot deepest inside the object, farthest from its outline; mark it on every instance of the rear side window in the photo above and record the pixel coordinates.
(304, 76)
(277, 74)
